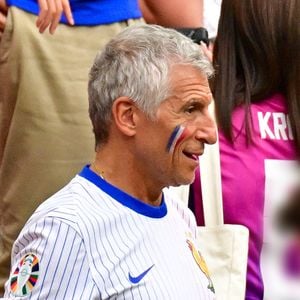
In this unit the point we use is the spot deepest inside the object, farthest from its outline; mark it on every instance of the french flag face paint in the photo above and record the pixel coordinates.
(177, 135)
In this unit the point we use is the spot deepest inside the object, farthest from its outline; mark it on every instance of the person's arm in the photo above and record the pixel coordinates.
(3, 13)
(49, 261)
(175, 13)
(51, 12)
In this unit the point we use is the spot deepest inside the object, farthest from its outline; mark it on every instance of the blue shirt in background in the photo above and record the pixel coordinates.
(90, 12)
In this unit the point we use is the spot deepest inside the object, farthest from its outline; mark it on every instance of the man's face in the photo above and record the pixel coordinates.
(169, 146)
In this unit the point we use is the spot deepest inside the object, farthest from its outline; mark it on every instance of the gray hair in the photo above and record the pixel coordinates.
(136, 63)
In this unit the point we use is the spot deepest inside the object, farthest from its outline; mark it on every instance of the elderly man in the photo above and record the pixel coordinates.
(112, 232)
(39, 126)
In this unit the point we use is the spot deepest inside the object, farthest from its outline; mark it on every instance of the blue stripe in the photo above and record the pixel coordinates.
(62, 277)
(173, 136)
(123, 198)
(140, 236)
(93, 238)
(85, 284)
(51, 254)
(72, 271)
(64, 238)
(105, 230)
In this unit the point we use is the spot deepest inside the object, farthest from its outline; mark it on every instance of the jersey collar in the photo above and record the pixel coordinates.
(123, 198)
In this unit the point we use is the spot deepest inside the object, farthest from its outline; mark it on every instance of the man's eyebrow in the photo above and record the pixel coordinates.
(194, 102)
(200, 100)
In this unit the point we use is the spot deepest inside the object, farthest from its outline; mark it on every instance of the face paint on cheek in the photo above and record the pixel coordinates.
(176, 137)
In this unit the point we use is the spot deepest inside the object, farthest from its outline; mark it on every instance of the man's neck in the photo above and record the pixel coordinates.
(118, 168)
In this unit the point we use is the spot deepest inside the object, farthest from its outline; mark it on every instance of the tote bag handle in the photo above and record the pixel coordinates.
(211, 186)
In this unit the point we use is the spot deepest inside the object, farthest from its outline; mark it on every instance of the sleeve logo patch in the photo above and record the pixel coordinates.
(25, 276)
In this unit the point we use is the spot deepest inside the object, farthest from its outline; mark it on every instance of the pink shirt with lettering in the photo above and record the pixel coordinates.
(244, 177)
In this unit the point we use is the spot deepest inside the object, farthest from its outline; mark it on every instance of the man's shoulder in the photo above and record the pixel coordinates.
(63, 204)
(178, 194)
(177, 199)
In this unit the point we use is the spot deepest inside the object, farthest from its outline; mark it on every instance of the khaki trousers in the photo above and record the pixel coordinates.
(45, 132)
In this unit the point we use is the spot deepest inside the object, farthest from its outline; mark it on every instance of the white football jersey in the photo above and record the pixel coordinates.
(93, 241)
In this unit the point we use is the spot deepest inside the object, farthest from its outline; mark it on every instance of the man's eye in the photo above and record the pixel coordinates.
(190, 109)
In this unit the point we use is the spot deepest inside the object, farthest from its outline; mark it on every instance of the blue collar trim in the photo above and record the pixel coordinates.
(123, 198)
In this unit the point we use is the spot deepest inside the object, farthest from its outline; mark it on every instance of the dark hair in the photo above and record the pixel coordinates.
(256, 54)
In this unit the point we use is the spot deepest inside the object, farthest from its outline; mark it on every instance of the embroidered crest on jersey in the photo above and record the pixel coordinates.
(25, 276)
(201, 263)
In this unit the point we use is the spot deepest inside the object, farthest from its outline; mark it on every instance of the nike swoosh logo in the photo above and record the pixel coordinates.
(138, 278)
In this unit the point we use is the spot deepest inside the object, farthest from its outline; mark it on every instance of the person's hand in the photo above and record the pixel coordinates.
(207, 51)
(3, 13)
(50, 14)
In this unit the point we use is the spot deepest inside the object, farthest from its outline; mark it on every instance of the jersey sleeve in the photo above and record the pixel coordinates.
(49, 261)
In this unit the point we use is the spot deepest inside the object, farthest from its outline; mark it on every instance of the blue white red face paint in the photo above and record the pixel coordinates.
(177, 135)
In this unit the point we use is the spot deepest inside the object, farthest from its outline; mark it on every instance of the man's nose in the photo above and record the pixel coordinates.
(207, 130)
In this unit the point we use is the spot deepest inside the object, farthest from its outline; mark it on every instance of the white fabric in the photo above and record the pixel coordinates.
(209, 163)
(224, 246)
(211, 16)
(181, 192)
(88, 243)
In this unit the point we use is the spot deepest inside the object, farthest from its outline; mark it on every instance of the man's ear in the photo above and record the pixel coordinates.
(123, 111)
